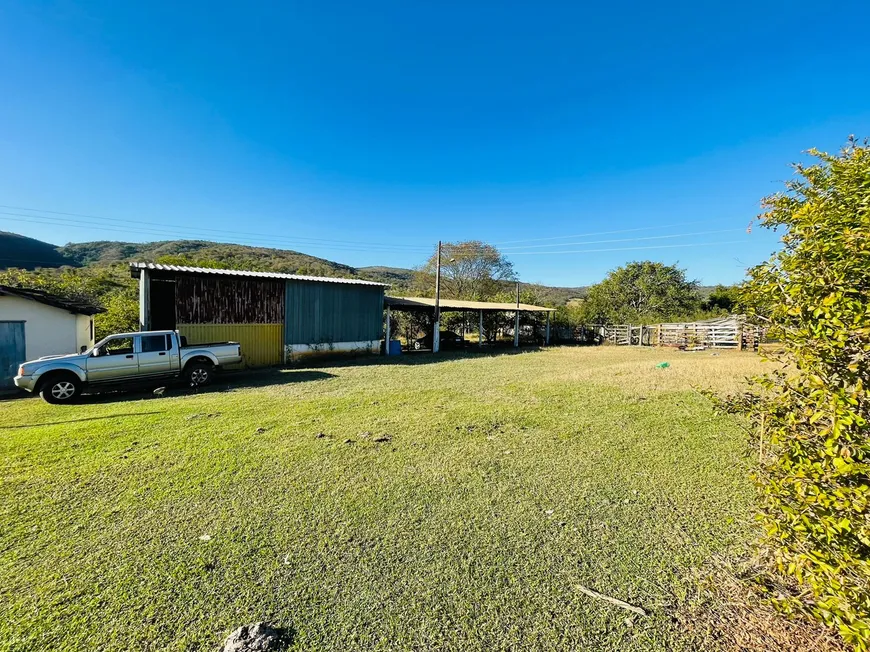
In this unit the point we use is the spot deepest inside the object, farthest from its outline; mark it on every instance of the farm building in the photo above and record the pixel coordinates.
(277, 318)
(34, 323)
(479, 308)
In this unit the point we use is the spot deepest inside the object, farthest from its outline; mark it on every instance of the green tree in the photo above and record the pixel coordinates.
(572, 315)
(723, 298)
(814, 479)
(642, 292)
(469, 270)
(122, 313)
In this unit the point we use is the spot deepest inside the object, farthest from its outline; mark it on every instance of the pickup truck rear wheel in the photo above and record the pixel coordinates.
(59, 389)
(200, 373)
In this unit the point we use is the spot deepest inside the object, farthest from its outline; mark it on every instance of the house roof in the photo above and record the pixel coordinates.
(135, 269)
(458, 304)
(72, 305)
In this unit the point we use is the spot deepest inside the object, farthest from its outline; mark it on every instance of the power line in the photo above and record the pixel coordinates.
(584, 235)
(277, 241)
(590, 251)
(191, 233)
(651, 237)
(36, 213)
(187, 232)
(309, 241)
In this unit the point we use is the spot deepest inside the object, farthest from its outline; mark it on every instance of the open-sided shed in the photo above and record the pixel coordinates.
(276, 317)
(424, 304)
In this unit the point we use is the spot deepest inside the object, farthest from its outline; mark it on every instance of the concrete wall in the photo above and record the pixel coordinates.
(47, 330)
(300, 352)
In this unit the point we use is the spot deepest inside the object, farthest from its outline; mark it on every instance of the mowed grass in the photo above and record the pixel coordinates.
(508, 481)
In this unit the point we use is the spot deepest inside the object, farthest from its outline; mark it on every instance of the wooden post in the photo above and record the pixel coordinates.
(436, 332)
(144, 300)
(547, 338)
(480, 331)
(740, 337)
(387, 339)
(517, 319)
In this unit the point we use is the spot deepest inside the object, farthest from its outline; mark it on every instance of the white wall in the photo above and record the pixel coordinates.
(84, 331)
(47, 330)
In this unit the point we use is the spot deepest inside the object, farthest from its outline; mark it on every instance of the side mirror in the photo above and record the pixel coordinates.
(83, 349)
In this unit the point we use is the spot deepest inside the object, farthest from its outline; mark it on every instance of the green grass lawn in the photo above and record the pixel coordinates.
(508, 481)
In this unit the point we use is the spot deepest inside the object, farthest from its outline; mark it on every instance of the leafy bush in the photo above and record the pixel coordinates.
(812, 416)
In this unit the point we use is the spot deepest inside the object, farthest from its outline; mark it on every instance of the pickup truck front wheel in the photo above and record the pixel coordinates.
(199, 374)
(63, 388)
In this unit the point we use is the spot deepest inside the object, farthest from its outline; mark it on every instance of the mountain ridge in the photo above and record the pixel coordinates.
(214, 254)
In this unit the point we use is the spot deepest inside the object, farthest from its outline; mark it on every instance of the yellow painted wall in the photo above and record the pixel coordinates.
(262, 344)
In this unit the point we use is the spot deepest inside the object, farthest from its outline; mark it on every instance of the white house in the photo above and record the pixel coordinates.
(34, 323)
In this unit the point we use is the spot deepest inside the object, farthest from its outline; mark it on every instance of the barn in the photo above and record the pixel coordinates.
(34, 323)
(277, 318)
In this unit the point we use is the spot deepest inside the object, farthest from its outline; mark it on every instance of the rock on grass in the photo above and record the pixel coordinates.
(256, 637)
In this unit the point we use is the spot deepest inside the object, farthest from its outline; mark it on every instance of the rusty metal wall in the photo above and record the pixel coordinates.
(262, 344)
(201, 300)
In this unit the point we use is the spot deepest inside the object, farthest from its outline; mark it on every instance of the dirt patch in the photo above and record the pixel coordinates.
(729, 611)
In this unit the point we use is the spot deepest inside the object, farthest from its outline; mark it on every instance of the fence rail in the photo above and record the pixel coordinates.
(729, 333)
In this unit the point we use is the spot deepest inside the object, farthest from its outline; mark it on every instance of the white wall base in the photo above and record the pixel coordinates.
(297, 352)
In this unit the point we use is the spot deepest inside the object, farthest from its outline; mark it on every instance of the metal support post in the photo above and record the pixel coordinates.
(144, 300)
(480, 331)
(387, 339)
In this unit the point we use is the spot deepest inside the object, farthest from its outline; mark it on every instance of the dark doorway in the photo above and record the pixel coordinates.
(162, 304)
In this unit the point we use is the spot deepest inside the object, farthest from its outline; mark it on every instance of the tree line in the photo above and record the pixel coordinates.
(639, 292)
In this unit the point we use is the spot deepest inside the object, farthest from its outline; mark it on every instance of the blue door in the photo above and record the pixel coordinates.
(11, 351)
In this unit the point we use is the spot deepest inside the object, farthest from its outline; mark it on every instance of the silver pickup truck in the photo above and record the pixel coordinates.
(126, 359)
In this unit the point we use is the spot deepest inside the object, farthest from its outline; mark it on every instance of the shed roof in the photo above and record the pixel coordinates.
(77, 306)
(135, 268)
(459, 304)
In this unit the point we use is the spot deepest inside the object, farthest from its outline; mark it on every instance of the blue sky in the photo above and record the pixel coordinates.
(365, 132)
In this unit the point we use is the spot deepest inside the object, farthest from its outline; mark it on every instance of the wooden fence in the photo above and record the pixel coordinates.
(727, 333)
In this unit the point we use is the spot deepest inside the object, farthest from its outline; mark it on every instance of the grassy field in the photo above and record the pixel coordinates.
(503, 482)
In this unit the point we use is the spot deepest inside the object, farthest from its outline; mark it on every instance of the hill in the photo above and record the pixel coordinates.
(29, 253)
(207, 254)
(397, 276)
(261, 259)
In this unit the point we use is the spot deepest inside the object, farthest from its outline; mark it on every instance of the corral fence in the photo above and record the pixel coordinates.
(724, 333)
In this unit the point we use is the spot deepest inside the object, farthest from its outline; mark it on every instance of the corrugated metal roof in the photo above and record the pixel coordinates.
(73, 305)
(458, 304)
(240, 272)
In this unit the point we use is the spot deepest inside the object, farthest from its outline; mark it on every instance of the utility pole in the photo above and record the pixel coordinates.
(517, 319)
(436, 333)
